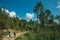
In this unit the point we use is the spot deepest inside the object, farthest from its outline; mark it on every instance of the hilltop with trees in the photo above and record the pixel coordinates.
(47, 29)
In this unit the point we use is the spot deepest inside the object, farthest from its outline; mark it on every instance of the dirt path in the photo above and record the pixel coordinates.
(12, 35)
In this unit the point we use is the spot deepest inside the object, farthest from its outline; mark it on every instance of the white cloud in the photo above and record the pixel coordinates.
(56, 21)
(20, 18)
(58, 5)
(11, 14)
(29, 16)
(7, 11)
(2, 9)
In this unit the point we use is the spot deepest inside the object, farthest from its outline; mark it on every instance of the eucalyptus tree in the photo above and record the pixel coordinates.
(47, 16)
(51, 22)
(58, 18)
(39, 10)
(58, 21)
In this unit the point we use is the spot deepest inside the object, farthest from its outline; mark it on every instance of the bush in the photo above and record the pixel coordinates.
(2, 34)
(27, 36)
(43, 34)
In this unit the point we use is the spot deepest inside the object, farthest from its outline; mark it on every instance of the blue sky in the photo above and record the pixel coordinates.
(23, 7)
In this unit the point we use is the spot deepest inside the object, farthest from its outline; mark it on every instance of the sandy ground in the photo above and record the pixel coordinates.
(6, 37)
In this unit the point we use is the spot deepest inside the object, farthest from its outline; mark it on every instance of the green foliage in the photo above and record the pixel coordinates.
(2, 33)
(27, 36)
(47, 29)
(48, 34)
(1, 36)
(43, 34)
(8, 22)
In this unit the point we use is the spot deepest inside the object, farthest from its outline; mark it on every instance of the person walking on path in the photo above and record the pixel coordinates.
(14, 34)
(9, 34)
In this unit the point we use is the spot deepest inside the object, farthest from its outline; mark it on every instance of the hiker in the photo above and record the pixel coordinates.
(9, 34)
(14, 34)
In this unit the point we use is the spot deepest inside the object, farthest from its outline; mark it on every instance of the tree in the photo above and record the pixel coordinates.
(58, 19)
(4, 18)
(39, 10)
(47, 15)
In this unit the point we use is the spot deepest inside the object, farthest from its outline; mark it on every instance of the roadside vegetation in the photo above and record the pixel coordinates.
(44, 29)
